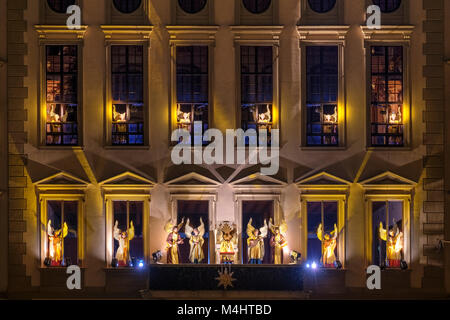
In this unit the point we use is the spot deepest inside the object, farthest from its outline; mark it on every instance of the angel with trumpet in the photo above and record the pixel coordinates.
(255, 242)
(174, 239)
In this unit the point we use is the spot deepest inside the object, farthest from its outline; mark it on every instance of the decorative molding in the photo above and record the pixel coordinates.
(388, 181)
(326, 33)
(189, 34)
(323, 181)
(60, 32)
(129, 33)
(127, 182)
(257, 34)
(192, 183)
(61, 181)
(389, 33)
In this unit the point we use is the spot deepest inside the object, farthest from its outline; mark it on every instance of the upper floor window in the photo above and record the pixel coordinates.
(127, 76)
(192, 77)
(127, 6)
(257, 6)
(322, 238)
(256, 89)
(62, 233)
(322, 95)
(192, 6)
(388, 6)
(387, 96)
(61, 95)
(321, 6)
(60, 6)
(128, 233)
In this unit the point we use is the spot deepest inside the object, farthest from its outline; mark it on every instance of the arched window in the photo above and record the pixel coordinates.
(60, 6)
(127, 6)
(388, 6)
(256, 6)
(192, 6)
(321, 6)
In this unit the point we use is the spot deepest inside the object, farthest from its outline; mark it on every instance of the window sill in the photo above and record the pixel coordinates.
(61, 147)
(384, 149)
(344, 148)
(109, 147)
(56, 269)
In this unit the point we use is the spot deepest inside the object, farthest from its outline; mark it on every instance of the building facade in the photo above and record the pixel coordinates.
(88, 113)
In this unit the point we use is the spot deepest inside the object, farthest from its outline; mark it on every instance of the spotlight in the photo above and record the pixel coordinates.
(141, 264)
(308, 266)
(338, 264)
(133, 262)
(314, 265)
(295, 256)
(403, 265)
(157, 256)
(47, 262)
(114, 263)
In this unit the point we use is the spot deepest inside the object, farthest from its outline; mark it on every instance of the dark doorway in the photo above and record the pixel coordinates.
(258, 211)
(193, 210)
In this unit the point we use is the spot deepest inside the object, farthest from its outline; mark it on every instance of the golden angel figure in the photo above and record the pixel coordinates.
(394, 244)
(227, 239)
(278, 240)
(124, 238)
(255, 242)
(173, 241)
(55, 242)
(196, 241)
(328, 245)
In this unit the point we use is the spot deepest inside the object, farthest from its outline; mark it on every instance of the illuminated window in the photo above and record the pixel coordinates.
(257, 6)
(322, 239)
(321, 6)
(256, 89)
(192, 74)
(388, 6)
(60, 6)
(61, 95)
(127, 95)
(62, 233)
(127, 6)
(387, 96)
(192, 6)
(387, 234)
(322, 95)
(128, 232)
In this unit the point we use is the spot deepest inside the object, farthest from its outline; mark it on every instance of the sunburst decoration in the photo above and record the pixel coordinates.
(225, 278)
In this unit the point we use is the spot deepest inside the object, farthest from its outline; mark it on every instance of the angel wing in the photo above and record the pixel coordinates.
(283, 228)
(382, 232)
(65, 230)
(50, 229)
(168, 226)
(320, 232)
(335, 231)
(116, 231)
(263, 230)
(188, 229)
(250, 228)
(131, 231)
(201, 228)
(272, 226)
(180, 225)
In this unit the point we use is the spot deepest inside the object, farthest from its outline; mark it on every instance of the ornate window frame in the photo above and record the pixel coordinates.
(126, 35)
(206, 16)
(397, 17)
(58, 35)
(245, 17)
(138, 17)
(400, 189)
(48, 16)
(333, 17)
(190, 36)
(390, 35)
(324, 36)
(258, 36)
(61, 187)
(136, 188)
(324, 187)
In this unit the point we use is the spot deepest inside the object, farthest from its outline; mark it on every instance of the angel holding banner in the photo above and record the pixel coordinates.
(55, 242)
(196, 241)
(174, 239)
(255, 242)
(124, 238)
(278, 240)
(328, 245)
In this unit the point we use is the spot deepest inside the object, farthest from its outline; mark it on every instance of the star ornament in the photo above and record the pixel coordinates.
(225, 279)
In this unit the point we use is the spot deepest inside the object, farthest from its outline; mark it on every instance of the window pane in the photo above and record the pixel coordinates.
(127, 67)
(322, 95)
(127, 6)
(387, 96)
(60, 6)
(61, 95)
(257, 6)
(321, 6)
(314, 219)
(71, 240)
(120, 232)
(137, 243)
